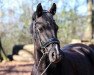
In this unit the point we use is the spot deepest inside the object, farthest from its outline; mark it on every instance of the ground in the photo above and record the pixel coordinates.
(15, 68)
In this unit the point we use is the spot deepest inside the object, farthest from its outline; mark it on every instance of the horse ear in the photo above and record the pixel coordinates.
(39, 10)
(53, 9)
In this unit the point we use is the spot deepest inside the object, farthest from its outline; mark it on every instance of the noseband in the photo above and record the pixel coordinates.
(50, 41)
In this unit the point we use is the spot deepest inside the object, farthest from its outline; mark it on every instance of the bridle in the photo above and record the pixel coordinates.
(49, 41)
(44, 45)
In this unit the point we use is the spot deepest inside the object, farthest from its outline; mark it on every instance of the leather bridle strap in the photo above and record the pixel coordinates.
(50, 41)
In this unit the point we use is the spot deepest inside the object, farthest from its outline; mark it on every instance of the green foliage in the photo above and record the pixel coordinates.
(71, 26)
(16, 33)
(14, 37)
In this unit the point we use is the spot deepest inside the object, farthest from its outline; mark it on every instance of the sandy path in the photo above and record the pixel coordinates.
(16, 68)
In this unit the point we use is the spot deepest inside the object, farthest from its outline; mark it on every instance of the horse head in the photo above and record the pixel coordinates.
(44, 31)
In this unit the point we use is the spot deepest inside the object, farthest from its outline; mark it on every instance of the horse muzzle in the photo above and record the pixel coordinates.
(54, 56)
(53, 49)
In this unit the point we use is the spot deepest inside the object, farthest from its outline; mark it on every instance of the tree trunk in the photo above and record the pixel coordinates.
(2, 53)
(88, 35)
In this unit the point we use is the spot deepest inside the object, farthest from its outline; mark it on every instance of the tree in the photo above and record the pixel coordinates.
(3, 55)
(88, 35)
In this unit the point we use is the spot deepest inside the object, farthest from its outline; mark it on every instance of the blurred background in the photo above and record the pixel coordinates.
(74, 18)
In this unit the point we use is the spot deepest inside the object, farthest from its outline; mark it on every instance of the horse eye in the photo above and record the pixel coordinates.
(40, 29)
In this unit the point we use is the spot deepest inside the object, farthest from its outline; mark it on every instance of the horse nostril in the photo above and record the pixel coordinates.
(53, 54)
(54, 57)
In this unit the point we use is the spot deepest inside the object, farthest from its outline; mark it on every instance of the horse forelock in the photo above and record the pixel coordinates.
(34, 16)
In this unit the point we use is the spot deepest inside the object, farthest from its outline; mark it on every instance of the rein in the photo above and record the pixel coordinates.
(40, 63)
(44, 54)
(46, 68)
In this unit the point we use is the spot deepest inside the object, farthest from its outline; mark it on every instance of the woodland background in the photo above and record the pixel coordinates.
(74, 18)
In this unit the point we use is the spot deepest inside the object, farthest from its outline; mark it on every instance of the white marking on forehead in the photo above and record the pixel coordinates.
(50, 15)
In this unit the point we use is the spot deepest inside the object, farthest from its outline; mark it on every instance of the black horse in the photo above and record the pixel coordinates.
(73, 59)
